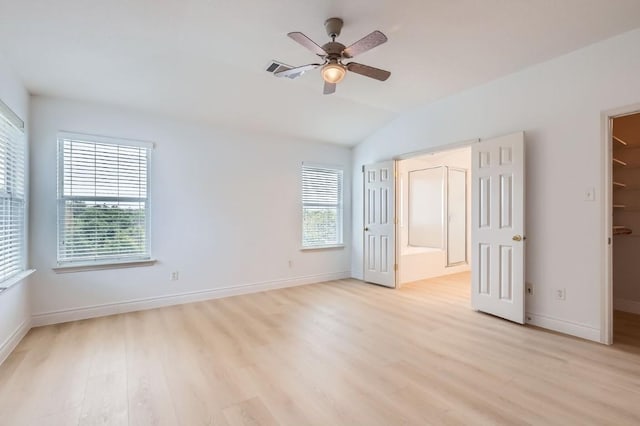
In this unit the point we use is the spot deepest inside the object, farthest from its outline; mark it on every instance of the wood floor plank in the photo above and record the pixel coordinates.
(251, 412)
(149, 398)
(342, 352)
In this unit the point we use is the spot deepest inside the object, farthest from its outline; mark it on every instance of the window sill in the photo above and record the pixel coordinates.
(81, 267)
(330, 246)
(7, 284)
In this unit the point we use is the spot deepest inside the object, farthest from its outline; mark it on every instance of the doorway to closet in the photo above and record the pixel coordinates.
(625, 213)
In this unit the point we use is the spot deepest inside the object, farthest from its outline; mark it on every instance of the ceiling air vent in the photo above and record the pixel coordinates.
(274, 67)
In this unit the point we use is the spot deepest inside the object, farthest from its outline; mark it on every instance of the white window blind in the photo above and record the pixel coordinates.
(321, 206)
(103, 204)
(12, 195)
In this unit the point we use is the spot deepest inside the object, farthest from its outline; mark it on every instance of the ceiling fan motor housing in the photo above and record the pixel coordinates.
(333, 27)
(334, 50)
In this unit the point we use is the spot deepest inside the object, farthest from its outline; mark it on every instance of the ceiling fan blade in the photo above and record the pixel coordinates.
(329, 88)
(296, 70)
(368, 71)
(308, 43)
(368, 42)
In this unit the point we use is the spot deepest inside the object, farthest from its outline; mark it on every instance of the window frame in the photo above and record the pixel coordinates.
(15, 121)
(123, 261)
(340, 206)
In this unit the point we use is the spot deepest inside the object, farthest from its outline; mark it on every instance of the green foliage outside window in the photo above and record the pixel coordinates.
(95, 229)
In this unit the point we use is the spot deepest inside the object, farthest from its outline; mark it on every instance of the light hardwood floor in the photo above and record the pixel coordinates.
(342, 352)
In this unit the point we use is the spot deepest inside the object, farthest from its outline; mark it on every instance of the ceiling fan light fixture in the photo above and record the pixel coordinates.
(332, 54)
(333, 72)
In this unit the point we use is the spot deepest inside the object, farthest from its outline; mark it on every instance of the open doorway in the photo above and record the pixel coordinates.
(497, 223)
(434, 215)
(625, 214)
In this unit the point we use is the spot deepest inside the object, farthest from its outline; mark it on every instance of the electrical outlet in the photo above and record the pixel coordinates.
(174, 276)
(529, 289)
(561, 294)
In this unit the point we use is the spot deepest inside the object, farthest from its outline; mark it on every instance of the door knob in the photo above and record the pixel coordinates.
(366, 229)
(518, 238)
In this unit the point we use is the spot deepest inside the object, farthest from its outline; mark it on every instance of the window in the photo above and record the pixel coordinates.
(321, 206)
(12, 195)
(103, 203)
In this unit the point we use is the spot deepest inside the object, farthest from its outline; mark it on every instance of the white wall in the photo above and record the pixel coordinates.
(225, 213)
(417, 263)
(558, 104)
(14, 303)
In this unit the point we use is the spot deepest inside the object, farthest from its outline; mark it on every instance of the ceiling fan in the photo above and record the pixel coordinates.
(333, 54)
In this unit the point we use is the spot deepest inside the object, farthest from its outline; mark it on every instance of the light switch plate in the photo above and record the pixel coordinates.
(590, 194)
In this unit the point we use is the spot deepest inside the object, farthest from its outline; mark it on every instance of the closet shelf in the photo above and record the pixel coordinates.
(626, 208)
(621, 230)
(622, 151)
(631, 166)
(627, 188)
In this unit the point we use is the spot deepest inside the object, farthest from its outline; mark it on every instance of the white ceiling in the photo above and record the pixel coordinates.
(204, 60)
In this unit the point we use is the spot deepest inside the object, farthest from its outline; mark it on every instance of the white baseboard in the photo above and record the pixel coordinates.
(625, 305)
(75, 314)
(12, 341)
(563, 326)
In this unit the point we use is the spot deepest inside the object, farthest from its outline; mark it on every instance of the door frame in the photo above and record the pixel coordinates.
(606, 293)
(431, 150)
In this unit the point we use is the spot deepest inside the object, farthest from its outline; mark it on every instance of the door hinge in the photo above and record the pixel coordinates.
(395, 220)
(395, 266)
(609, 240)
(363, 168)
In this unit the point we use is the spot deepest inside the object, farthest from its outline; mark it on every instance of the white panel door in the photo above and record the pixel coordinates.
(497, 233)
(379, 228)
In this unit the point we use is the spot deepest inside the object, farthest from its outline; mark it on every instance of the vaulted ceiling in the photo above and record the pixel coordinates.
(204, 60)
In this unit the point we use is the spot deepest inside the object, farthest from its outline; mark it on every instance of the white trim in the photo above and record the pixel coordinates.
(328, 246)
(437, 149)
(562, 326)
(12, 341)
(11, 116)
(12, 281)
(66, 315)
(331, 166)
(86, 137)
(606, 291)
(98, 266)
(624, 305)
